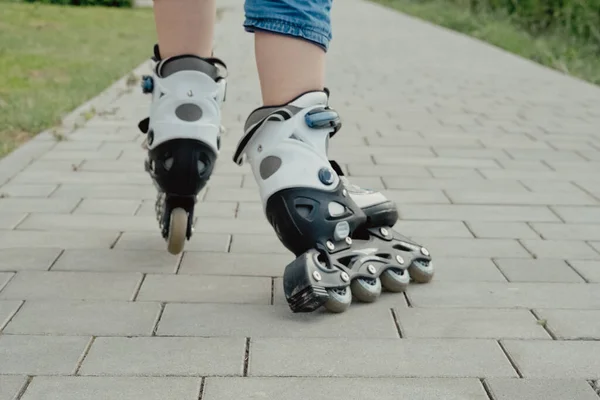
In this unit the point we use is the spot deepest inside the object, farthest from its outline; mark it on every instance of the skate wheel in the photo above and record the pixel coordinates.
(177, 231)
(395, 279)
(366, 290)
(339, 300)
(421, 271)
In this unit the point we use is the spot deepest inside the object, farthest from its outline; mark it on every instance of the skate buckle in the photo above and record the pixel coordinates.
(319, 118)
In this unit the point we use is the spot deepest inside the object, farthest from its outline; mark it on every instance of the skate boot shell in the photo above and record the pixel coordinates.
(182, 138)
(340, 234)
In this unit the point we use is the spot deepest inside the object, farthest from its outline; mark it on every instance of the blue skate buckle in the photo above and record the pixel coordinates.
(147, 84)
(326, 176)
(322, 118)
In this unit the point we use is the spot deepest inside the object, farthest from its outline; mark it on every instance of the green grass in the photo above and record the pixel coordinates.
(557, 50)
(53, 58)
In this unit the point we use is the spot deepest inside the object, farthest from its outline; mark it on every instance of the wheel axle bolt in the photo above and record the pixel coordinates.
(384, 231)
(330, 245)
(348, 240)
(317, 276)
(424, 251)
(345, 276)
(400, 260)
(371, 269)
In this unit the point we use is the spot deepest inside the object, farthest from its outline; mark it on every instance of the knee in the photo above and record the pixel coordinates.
(308, 20)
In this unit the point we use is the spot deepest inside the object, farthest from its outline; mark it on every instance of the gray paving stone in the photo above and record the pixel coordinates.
(274, 321)
(466, 269)
(40, 355)
(28, 205)
(160, 356)
(11, 220)
(267, 243)
(463, 173)
(229, 194)
(206, 289)
(58, 285)
(416, 196)
(469, 323)
(20, 259)
(446, 229)
(519, 270)
(135, 192)
(107, 206)
(206, 263)
(17, 190)
(379, 358)
(492, 213)
(116, 260)
(567, 231)
(5, 277)
(453, 183)
(122, 388)
(56, 239)
(558, 249)
(270, 388)
(10, 386)
(502, 230)
(363, 170)
(572, 324)
(203, 209)
(475, 197)
(87, 318)
(7, 310)
(153, 241)
(590, 270)
(549, 186)
(537, 389)
(92, 222)
(555, 359)
(467, 248)
(232, 226)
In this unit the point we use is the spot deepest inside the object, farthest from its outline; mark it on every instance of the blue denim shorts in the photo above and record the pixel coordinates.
(305, 19)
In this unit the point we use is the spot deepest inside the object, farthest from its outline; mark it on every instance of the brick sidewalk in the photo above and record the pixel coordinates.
(493, 161)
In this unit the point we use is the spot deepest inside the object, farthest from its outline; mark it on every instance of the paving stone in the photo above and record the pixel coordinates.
(107, 206)
(130, 191)
(87, 318)
(572, 324)
(153, 241)
(590, 270)
(116, 260)
(122, 388)
(558, 249)
(380, 358)
(20, 259)
(549, 186)
(56, 285)
(203, 209)
(56, 239)
(40, 355)
(464, 173)
(567, 231)
(453, 183)
(535, 389)
(502, 230)
(5, 277)
(160, 356)
(466, 269)
(10, 221)
(469, 323)
(17, 190)
(229, 194)
(263, 244)
(446, 229)
(206, 289)
(7, 310)
(555, 359)
(270, 388)
(233, 226)
(519, 270)
(363, 170)
(28, 205)
(475, 197)
(86, 222)
(466, 248)
(10, 386)
(274, 321)
(486, 213)
(206, 263)
(501, 295)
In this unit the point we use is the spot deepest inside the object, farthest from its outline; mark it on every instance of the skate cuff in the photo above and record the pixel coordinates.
(317, 35)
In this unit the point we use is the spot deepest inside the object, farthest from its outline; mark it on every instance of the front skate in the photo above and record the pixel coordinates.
(182, 138)
(340, 234)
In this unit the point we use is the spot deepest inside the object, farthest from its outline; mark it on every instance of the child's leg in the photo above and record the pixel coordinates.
(183, 129)
(340, 234)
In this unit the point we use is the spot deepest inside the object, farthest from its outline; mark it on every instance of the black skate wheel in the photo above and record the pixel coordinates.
(177, 231)
(421, 271)
(339, 300)
(366, 290)
(395, 279)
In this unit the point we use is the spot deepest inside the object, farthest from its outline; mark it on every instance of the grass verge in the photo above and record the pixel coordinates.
(557, 50)
(53, 58)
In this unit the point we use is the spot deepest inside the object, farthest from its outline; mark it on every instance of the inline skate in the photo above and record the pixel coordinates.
(183, 134)
(341, 234)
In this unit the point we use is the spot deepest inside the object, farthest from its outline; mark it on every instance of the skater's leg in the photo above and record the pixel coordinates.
(185, 26)
(340, 234)
(183, 129)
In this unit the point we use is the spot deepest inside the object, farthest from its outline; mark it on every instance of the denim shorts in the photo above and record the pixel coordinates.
(305, 19)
